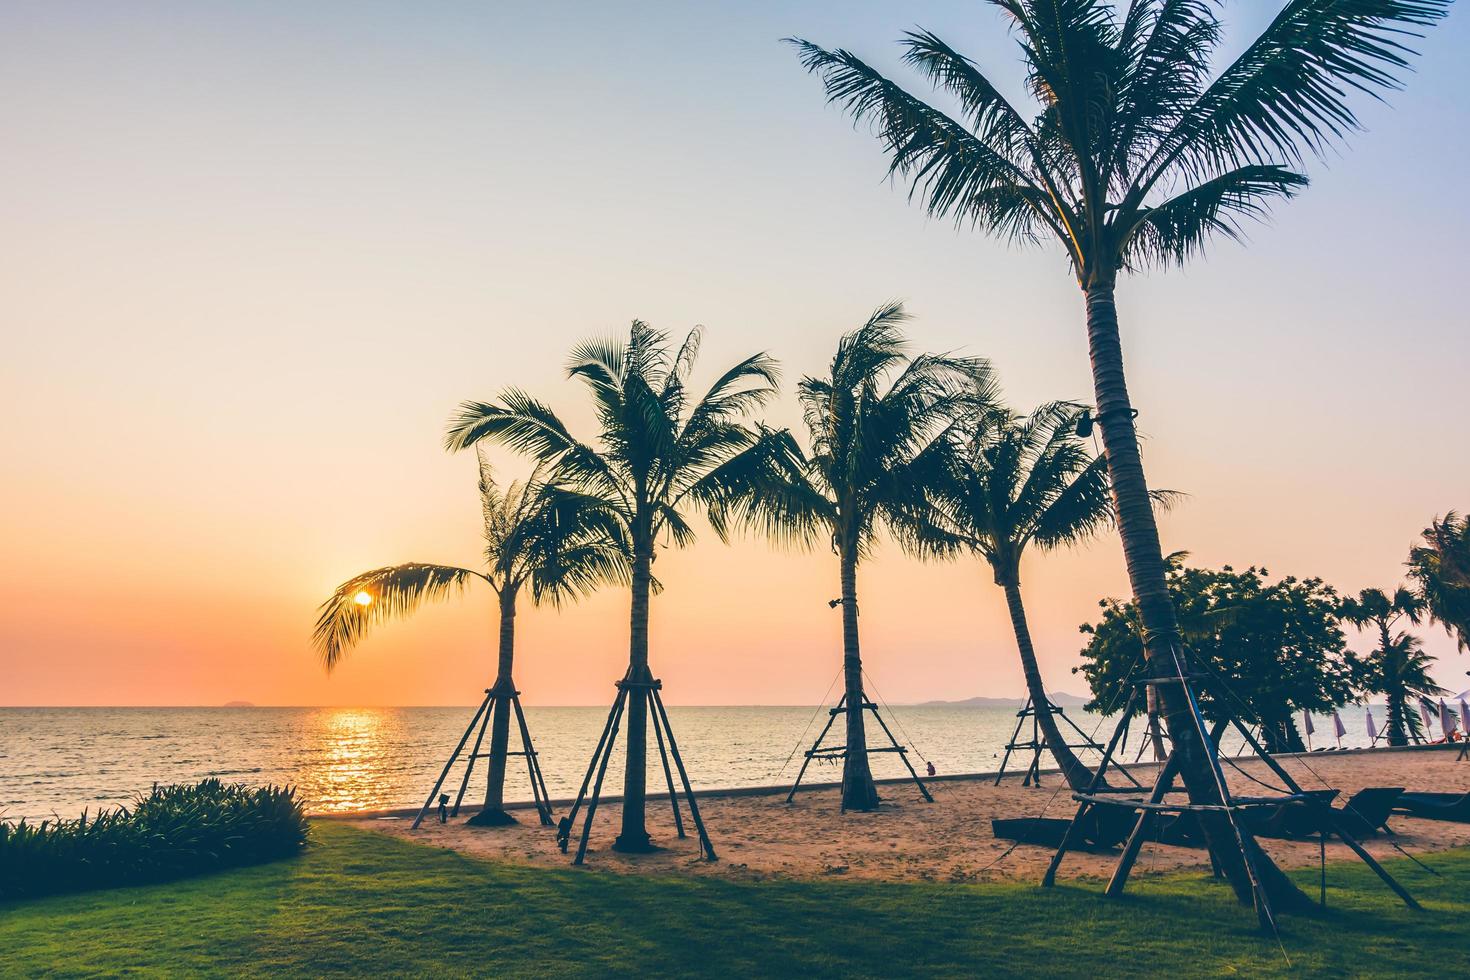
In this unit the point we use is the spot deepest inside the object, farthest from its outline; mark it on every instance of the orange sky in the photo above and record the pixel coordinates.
(254, 258)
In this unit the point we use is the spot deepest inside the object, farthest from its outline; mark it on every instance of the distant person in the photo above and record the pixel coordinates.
(930, 766)
(564, 833)
(443, 807)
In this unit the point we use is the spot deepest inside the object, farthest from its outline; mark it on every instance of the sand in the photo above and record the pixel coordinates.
(947, 840)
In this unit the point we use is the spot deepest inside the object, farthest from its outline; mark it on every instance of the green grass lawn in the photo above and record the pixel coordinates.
(362, 903)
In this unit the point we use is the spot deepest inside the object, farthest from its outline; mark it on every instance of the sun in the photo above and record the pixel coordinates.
(363, 599)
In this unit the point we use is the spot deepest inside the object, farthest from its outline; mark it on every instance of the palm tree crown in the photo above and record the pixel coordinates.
(1374, 607)
(1440, 568)
(880, 426)
(1138, 154)
(541, 535)
(1023, 481)
(661, 450)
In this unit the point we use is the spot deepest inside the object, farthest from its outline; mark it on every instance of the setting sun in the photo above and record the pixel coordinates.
(363, 599)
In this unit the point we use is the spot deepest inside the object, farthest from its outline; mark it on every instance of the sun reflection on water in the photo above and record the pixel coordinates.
(353, 758)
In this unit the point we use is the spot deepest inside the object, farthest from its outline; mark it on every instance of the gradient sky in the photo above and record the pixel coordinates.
(254, 255)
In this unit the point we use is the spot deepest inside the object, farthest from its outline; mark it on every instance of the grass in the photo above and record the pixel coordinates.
(362, 903)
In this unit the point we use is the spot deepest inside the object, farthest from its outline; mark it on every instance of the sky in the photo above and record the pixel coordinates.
(254, 255)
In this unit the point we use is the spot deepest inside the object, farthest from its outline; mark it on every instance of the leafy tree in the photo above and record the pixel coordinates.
(1399, 670)
(1136, 155)
(1397, 667)
(879, 423)
(1440, 568)
(1277, 646)
(660, 453)
(540, 536)
(1018, 482)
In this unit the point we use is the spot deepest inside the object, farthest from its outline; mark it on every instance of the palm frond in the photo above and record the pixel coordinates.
(1287, 94)
(765, 489)
(381, 594)
(1177, 230)
(958, 173)
(1440, 569)
(518, 421)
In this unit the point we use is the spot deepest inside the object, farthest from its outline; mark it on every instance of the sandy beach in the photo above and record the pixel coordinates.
(758, 836)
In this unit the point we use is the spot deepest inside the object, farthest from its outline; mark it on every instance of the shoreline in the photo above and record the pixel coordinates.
(735, 792)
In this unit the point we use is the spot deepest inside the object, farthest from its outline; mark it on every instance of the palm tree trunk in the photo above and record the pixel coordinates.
(1398, 733)
(633, 836)
(858, 791)
(1078, 776)
(1291, 735)
(500, 722)
(1162, 649)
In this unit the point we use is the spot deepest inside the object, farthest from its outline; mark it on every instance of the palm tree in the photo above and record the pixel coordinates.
(1400, 672)
(1137, 157)
(880, 424)
(660, 453)
(1397, 668)
(1021, 481)
(1440, 568)
(539, 536)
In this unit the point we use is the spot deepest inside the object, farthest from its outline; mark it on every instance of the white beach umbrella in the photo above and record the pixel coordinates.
(1446, 720)
(1339, 729)
(1308, 727)
(1464, 717)
(1372, 725)
(1424, 714)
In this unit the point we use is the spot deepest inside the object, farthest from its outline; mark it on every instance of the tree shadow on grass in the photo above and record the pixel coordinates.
(360, 902)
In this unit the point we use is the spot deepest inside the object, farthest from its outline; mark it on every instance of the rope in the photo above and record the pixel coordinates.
(801, 739)
(908, 739)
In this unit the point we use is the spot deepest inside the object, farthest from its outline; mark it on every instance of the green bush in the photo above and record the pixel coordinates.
(173, 832)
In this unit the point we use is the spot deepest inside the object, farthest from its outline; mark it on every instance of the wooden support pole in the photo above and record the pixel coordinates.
(830, 719)
(533, 765)
(1347, 839)
(668, 775)
(1124, 868)
(709, 849)
(1050, 878)
(474, 752)
(596, 754)
(606, 747)
(902, 754)
(454, 755)
(1020, 720)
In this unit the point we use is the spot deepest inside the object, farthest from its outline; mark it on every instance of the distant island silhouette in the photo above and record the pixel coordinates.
(239, 704)
(1061, 698)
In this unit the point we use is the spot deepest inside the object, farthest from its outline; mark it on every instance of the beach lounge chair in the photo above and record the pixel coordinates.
(1291, 820)
(1368, 810)
(1436, 806)
(1285, 821)
(1104, 828)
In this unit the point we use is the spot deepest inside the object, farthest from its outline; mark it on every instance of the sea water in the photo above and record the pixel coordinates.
(61, 761)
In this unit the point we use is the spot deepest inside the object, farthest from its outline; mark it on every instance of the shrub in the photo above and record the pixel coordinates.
(173, 832)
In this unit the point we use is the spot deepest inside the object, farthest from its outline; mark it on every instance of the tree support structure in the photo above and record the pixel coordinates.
(493, 697)
(834, 752)
(667, 748)
(1037, 743)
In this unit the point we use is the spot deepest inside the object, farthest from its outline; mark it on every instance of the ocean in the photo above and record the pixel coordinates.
(62, 761)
